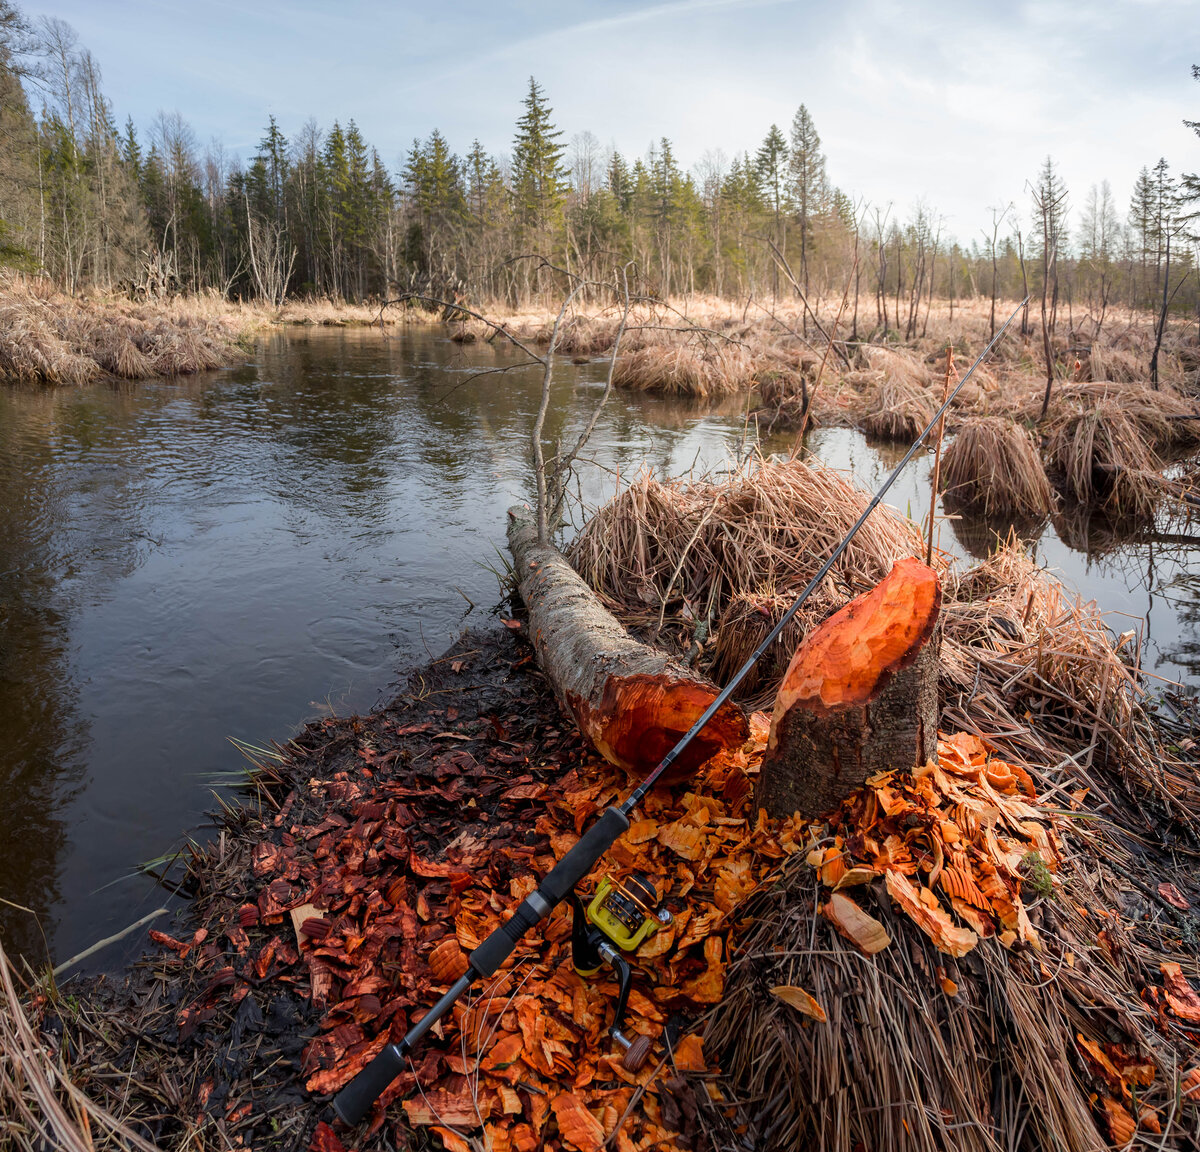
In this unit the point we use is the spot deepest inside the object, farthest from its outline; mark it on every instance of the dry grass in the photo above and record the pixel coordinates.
(904, 1066)
(41, 1107)
(677, 560)
(701, 372)
(899, 409)
(993, 466)
(771, 524)
(51, 339)
(1101, 454)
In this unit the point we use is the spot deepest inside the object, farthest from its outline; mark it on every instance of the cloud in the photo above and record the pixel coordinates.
(956, 103)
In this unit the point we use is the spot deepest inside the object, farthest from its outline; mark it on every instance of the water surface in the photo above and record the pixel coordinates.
(184, 562)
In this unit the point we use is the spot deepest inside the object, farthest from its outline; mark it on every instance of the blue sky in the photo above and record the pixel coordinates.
(954, 102)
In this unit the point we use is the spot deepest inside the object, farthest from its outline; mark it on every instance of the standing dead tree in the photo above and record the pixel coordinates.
(1050, 207)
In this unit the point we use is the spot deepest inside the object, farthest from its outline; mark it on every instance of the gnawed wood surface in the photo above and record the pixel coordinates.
(859, 697)
(631, 701)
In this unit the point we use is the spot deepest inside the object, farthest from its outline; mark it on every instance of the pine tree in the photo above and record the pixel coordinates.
(808, 180)
(539, 180)
(770, 167)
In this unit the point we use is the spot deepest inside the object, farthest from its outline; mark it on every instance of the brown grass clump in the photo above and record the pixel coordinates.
(900, 409)
(993, 466)
(57, 340)
(118, 355)
(1101, 454)
(682, 370)
(1036, 670)
(901, 364)
(770, 525)
(1116, 365)
(686, 557)
(32, 351)
(1164, 415)
(40, 1104)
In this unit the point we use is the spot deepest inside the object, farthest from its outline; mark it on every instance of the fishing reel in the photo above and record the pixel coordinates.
(621, 915)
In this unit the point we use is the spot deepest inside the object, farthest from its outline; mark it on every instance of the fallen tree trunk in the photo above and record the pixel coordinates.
(631, 701)
(859, 697)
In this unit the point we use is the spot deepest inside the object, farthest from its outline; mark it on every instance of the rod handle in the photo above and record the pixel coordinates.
(562, 878)
(354, 1101)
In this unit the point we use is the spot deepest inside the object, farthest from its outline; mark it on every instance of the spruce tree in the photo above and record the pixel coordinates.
(539, 179)
(808, 180)
(1189, 184)
(770, 166)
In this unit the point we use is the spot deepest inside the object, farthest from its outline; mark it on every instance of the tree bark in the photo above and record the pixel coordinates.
(859, 697)
(630, 700)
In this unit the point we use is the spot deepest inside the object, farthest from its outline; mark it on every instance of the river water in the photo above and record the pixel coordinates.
(186, 562)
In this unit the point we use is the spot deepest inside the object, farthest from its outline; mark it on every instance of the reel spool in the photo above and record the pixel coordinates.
(619, 917)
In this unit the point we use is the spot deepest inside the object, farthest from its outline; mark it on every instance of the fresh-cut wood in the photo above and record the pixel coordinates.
(859, 697)
(631, 701)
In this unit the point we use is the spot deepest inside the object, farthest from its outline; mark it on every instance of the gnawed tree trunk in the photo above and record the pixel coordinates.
(631, 701)
(859, 697)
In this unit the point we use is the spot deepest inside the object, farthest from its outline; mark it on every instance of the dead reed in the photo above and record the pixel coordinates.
(923, 1053)
(685, 370)
(769, 525)
(60, 341)
(41, 1107)
(993, 466)
(899, 409)
(1101, 454)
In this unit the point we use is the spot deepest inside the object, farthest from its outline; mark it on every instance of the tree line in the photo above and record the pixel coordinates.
(96, 205)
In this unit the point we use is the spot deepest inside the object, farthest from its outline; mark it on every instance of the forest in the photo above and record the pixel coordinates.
(319, 213)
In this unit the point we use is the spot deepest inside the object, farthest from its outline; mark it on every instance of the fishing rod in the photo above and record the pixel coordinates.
(621, 915)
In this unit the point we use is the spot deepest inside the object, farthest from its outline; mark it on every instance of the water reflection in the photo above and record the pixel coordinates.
(224, 556)
(185, 562)
(978, 535)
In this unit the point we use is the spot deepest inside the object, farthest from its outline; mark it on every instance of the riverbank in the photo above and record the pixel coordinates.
(374, 851)
(49, 338)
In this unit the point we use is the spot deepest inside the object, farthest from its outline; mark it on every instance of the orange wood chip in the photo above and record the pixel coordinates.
(861, 929)
(946, 935)
(689, 1054)
(707, 988)
(684, 839)
(1181, 996)
(451, 1139)
(504, 1052)
(797, 998)
(1121, 1126)
(578, 1127)
(448, 961)
(439, 1106)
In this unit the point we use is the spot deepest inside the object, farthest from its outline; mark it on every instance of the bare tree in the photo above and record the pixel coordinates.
(993, 240)
(1050, 207)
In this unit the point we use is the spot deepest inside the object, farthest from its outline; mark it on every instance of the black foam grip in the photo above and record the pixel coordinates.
(572, 868)
(577, 863)
(354, 1101)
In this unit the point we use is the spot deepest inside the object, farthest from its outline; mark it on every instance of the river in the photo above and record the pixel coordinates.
(187, 562)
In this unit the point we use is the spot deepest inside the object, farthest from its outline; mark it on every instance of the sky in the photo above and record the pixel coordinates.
(956, 104)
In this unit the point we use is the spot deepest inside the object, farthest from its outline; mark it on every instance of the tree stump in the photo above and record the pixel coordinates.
(631, 701)
(859, 697)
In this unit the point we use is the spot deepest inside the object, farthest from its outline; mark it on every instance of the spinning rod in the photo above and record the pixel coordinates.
(353, 1102)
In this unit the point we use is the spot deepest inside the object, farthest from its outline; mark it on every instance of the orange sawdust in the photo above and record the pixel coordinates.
(527, 1059)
